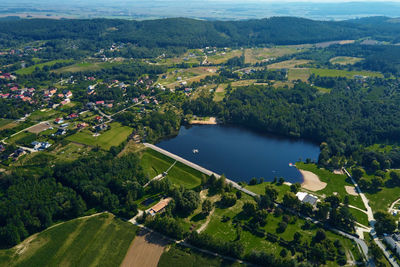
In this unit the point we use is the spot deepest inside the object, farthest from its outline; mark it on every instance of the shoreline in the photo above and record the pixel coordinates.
(210, 121)
(311, 181)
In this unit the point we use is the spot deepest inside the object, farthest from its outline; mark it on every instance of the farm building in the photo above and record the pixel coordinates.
(159, 207)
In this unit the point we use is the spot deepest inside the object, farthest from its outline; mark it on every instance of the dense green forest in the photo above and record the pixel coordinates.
(191, 33)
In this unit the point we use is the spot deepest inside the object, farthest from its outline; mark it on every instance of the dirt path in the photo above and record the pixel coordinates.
(205, 224)
(145, 250)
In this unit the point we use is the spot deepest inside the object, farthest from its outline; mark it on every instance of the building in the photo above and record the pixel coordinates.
(59, 121)
(393, 241)
(159, 207)
(307, 198)
(39, 146)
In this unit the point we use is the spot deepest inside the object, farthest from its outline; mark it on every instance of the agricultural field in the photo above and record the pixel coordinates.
(100, 239)
(299, 74)
(70, 152)
(31, 69)
(289, 64)
(335, 184)
(154, 163)
(256, 55)
(85, 66)
(220, 92)
(6, 124)
(176, 77)
(343, 73)
(112, 137)
(222, 57)
(345, 60)
(180, 256)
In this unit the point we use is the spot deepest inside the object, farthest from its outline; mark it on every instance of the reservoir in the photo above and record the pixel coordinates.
(239, 153)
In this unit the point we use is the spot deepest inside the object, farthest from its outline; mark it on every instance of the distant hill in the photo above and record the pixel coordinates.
(192, 33)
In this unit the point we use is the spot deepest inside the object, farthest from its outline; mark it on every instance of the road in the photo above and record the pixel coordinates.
(371, 221)
(197, 167)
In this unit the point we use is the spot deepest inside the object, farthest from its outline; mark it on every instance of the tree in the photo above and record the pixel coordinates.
(228, 200)
(281, 227)
(206, 207)
(357, 173)
(249, 209)
(253, 181)
(295, 187)
(271, 192)
(385, 223)
(291, 201)
(320, 236)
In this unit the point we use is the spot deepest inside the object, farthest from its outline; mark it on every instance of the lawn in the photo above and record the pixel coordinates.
(45, 114)
(335, 183)
(185, 257)
(5, 124)
(345, 60)
(289, 64)
(260, 189)
(154, 163)
(70, 152)
(112, 137)
(382, 199)
(344, 73)
(360, 216)
(255, 55)
(228, 232)
(89, 241)
(32, 68)
(86, 66)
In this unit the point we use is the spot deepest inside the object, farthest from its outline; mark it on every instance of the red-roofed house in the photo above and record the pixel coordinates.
(59, 120)
(100, 102)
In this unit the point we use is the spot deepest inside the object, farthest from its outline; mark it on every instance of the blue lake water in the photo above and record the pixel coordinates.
(241, 154)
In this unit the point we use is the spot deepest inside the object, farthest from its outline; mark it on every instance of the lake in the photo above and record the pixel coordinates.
(241, 154)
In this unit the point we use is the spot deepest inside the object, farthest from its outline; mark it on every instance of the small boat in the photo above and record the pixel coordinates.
(291, 164)
(195, 151)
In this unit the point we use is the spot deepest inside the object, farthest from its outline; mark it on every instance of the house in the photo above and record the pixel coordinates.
(81, 125)
(72, 116)
(100, 102)
(307, 198)
(393, 241)
(159, 207)
(64, 125)
(135, 100)
(59, 120)
(98, 118)
(68, 94)
(61, 132)
(39, 146)
(101, 127)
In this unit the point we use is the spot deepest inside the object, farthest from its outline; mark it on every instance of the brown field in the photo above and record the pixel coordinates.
(243, 83)
(39, 128)
(9, 126)
(145, 250)
(288, 64)
(220, 58)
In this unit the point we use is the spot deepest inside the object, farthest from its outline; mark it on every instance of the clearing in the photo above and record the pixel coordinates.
(145, 250)
(289, 64)
(112, 137)
(345, 60)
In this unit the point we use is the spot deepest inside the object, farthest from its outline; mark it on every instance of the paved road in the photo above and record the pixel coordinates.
(371, 221)
(197, 167)
(391, 209)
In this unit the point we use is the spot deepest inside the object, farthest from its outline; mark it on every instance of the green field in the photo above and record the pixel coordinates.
(46, 114)
(31, 69)
(299, 74)
(383, 198)
(260, 189)
(227, 230)
(345, 60)
(85, 66)
(335, 183)
(185, 257)
(5, 123)
(360, 216)
(100, 240)
(154, 163)
(344, 73)
(112, 137)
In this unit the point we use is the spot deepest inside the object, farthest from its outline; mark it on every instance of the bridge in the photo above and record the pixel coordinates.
(198, 168)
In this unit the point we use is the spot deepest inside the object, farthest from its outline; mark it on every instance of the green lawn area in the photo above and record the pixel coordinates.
(227, 230)
(46, 114)
(383, 198)
(31, 69)
(335, 183)
(360, 216)
(70, 152)
(299, 74)
(344, 73)
(86, 66)
(112, 137)
(101, 240)
(154, 163)
(260, 189)
(4, 122)
(345, 60)
(19, 137)
(179, 256)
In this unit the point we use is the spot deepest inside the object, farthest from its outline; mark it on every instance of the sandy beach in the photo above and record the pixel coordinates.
(210, 121)
(311, 181)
